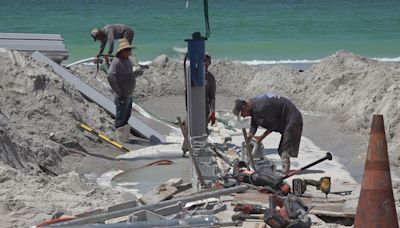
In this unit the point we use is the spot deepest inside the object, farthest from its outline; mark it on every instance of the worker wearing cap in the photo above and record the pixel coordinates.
(123, 81)
(275, 114)
(210, 86)
(110, 33)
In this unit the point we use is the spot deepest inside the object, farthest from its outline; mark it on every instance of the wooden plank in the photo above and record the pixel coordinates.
(30, 36)
(336, 214)
(252, 197)
(162, 192)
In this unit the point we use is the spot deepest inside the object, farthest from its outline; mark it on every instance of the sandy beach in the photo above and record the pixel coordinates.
(39, 114)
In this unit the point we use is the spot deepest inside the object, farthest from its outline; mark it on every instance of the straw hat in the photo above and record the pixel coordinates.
(123, 44)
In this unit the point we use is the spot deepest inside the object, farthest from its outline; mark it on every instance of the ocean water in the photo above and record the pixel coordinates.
(242, 30)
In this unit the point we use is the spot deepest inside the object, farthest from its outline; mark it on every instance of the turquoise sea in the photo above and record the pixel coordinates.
(242, 30)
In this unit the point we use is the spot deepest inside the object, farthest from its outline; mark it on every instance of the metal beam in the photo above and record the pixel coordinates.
(101, 100)
(183, 200)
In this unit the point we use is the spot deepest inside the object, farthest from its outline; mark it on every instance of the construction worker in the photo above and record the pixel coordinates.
(110, 33)
(210, 87)
(275, 114)
(123, 81)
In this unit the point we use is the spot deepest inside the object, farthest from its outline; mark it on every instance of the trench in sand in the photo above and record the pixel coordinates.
(320, 135)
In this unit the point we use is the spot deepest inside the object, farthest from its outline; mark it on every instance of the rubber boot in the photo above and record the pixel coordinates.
(123, 133)
(285, 158)
(127, 133)
(120, 134)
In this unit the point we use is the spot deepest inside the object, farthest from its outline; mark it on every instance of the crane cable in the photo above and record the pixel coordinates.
(206, 19)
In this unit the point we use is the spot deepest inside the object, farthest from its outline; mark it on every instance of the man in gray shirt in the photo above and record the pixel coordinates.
(123, 81)
(109, 33)
(275, 114)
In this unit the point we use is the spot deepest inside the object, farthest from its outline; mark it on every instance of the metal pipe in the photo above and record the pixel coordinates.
(221, 155)
(109, 215)
(202, 221)
(192, 157)
(248, 150)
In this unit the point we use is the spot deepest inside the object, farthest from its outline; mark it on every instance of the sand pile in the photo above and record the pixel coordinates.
(28, 198)
(38, 116)
(41, 111)
(353, 88)
(350, 88)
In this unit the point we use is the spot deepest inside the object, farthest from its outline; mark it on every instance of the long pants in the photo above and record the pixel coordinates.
(123, 110)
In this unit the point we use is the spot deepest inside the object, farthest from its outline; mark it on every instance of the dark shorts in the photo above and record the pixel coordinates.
(290, 140)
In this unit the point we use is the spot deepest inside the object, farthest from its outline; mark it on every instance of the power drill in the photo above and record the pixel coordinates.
(299, 185)
(249, 208)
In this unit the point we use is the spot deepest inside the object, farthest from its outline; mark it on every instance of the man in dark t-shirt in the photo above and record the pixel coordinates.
(275, 114)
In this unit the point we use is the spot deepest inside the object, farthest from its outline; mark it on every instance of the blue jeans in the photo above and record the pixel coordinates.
(123, 110)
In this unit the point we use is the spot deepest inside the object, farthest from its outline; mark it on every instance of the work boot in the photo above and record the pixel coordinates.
(127, 132)
(120, 133)
(285, 158)
(123, 133)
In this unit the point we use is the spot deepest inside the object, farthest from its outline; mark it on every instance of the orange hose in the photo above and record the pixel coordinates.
(159, 162)
(53, 221)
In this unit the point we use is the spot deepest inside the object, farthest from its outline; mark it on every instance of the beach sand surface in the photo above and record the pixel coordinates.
(40, 111)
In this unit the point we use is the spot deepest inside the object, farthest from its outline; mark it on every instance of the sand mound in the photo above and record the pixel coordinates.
(353, 88)
(40, 111)
(30, 197)
(38, 116)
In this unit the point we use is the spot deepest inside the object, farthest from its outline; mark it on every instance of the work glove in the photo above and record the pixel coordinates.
(258, 139)
(212, 118)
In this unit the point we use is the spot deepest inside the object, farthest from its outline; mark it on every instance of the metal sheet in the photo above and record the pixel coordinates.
(25, 46)
(101, 100)
(30, 36)
(31, 42)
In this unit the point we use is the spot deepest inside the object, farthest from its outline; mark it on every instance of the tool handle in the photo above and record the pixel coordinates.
(248, 150)
(328, 156)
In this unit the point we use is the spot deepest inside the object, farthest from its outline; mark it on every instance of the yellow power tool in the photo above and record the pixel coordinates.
(299, 186)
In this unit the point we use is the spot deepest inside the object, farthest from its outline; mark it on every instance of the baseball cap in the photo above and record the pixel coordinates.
(238, 107)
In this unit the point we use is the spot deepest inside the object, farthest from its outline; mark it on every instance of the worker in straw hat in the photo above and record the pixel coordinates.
(275, 114)
(123, 81)
(110, 33)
